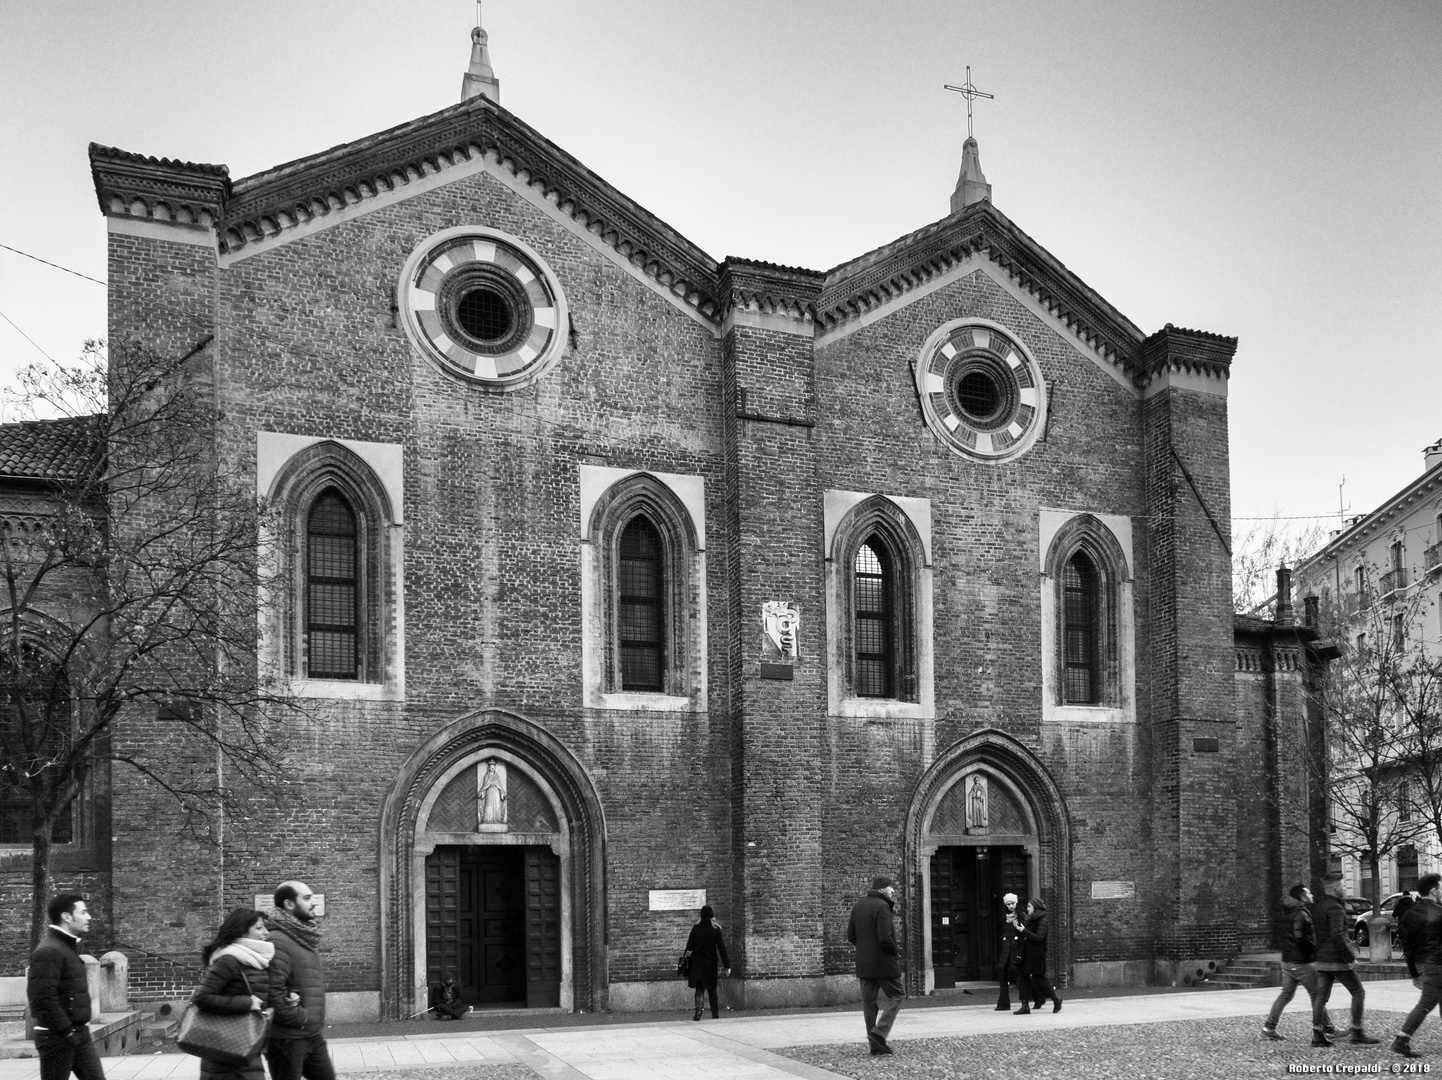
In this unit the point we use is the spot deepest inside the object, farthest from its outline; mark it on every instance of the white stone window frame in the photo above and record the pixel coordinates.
(1107, 541)
(291, 472)
(849, 518)
(676, 504)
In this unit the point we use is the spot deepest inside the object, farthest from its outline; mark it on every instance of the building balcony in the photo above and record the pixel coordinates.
(1393, 580)
(1432, 558)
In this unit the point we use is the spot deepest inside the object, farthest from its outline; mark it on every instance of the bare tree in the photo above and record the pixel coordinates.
(1370, 745)
(1259, 550)
(131, 593)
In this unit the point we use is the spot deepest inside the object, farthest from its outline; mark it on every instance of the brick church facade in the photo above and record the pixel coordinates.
(620, 575)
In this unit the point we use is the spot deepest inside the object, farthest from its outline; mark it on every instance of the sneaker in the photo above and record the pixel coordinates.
(1402, 1044)
(1271, 1033)
(1361, 1038)
(1318, 1039)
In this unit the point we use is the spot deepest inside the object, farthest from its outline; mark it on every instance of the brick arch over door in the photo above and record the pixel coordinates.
(1001, 755)
(512, 735)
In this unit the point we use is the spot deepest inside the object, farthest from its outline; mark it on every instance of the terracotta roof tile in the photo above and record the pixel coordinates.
(47, 449)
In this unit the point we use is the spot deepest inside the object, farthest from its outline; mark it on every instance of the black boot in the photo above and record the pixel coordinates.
(1022, 1011)
(1402, 1044)
(1318, 1039)
(1055, 1001)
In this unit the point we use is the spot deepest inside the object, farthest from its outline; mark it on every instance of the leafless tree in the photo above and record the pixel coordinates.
(131, 593)
(1258, 550)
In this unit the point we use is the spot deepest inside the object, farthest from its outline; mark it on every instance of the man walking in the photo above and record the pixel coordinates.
(1334, 963)
(1421, 934)
(874, 935)
(1010, 952)
(297, 989)
(59, 995)
(1299, 956)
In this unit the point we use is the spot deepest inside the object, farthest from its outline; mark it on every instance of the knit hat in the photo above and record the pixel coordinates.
(881, 881)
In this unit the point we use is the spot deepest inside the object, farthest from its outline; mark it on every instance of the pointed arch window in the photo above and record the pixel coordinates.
(332, 589)
(873, 634)
(641, 607)
(1081, 684)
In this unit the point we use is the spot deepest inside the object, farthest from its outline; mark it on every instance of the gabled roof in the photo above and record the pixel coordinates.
(479, 133)
(56, 451)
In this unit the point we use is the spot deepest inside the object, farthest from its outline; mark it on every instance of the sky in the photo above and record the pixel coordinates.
(1266, 170)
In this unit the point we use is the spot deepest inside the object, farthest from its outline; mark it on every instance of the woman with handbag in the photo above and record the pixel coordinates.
(237, 965)
(702, 948)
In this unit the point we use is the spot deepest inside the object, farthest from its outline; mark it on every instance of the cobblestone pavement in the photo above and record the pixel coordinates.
(745, 1046)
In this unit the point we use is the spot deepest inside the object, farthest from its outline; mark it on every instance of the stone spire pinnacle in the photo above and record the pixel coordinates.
(971, 185)
(480, 79)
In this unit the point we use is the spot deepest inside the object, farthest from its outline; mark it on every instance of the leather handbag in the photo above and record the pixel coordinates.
(229, 1039)
(683, 965)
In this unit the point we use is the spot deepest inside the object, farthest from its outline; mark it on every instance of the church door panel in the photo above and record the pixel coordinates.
(501, 917)
(442, 908)
(942, 954)
(543, 928)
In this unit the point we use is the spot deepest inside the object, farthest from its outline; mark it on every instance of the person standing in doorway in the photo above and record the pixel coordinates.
(1010, 952)
(1033, 984)
(297, 1043)
(60, 996)
(703, 946)
(1334, 962)
(873, 932)
(1299, 956)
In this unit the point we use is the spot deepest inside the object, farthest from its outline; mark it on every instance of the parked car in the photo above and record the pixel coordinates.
(1359, 923)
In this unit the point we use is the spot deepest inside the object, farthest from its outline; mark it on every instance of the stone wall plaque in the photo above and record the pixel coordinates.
(1114, 890)
(677, 899)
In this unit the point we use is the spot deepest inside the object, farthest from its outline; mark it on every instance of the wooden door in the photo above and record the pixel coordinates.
(943, 952)
(543, 927)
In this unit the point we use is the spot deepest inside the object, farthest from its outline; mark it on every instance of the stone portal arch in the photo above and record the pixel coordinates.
(1030, 813)
(557, 809)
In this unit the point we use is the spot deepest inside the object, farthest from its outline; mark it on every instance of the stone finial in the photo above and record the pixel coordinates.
(971, 185)
(480, 80)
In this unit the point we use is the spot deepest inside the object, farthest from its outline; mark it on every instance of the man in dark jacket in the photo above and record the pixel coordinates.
(1299, 955)
(297, 1043)
(1421, 934)
(874, 935)
(60, 997)
(1010, 953)
(1334, 962)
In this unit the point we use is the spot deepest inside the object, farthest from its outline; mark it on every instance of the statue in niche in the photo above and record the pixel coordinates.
(780, 620)
(976, 808)
(492, 793)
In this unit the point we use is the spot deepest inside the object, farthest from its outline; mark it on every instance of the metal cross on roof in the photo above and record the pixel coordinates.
(971, 93)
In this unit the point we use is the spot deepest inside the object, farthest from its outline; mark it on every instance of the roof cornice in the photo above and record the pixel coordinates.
(158, 189)
(769, 288)
(1196, 352)
(879, 276)
(295, 193)
(1360, 531)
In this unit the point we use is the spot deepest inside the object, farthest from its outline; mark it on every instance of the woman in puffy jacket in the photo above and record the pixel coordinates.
(236, 966)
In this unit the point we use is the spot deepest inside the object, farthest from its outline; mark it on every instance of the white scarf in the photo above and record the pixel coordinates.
(249, 951)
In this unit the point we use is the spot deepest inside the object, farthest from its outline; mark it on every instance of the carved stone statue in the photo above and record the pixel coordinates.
(976, 808)
(781, 620)
(492, 793)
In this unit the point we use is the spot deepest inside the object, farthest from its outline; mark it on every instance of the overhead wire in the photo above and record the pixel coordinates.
(47, 262)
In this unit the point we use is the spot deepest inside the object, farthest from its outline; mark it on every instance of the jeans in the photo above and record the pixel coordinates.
(290, 1059)
(1348, 978)
(1431, 977)
(60, 1055)
(708, 989)
(878, 1023)
(1294, 975)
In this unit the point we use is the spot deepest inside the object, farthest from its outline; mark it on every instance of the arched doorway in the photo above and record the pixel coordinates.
(492, 869)
(986, 819)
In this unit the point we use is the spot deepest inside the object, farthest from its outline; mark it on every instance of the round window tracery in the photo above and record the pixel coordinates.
(981, 390)
(484, 306)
